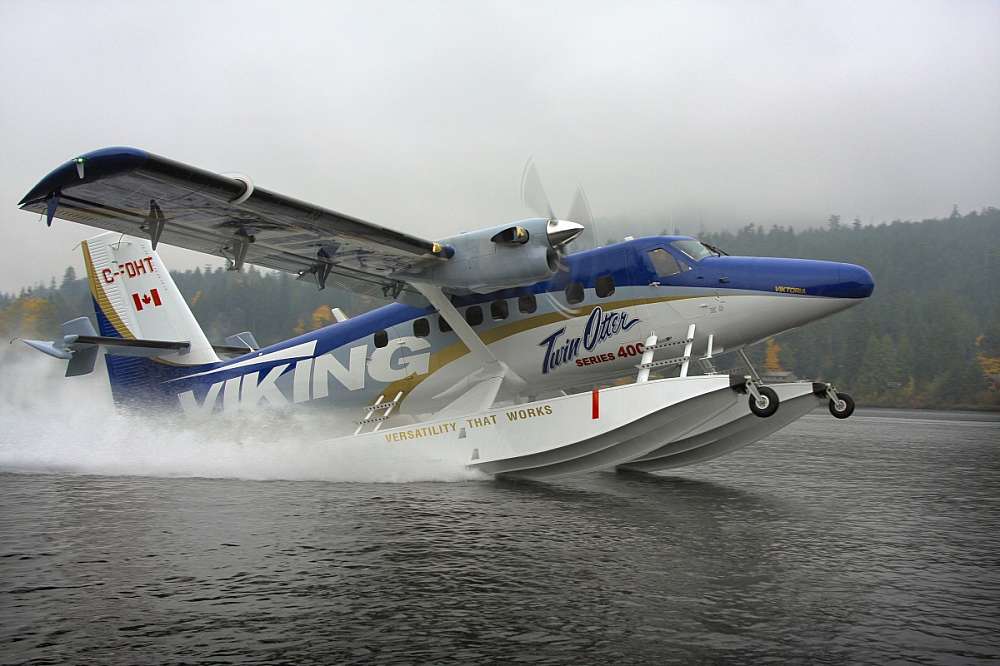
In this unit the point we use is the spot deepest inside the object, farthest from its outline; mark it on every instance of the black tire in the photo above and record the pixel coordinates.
(772, 402)
(848, 406)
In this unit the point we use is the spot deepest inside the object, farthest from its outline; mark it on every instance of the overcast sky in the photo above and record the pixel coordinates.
(420, 115)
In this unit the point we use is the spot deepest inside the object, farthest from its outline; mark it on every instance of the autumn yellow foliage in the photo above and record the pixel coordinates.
(320, 317)
(772, 358)
(28, 315)
(990, 364)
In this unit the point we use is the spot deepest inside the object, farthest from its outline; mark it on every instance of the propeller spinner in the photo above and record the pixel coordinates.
(559, 232)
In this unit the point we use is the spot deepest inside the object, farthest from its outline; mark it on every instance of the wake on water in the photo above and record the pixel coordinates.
(49, 423)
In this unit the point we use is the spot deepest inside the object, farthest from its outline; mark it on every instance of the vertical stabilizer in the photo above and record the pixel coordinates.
(135, 298)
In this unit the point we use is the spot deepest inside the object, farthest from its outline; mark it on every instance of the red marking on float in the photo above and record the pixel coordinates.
(595, 404)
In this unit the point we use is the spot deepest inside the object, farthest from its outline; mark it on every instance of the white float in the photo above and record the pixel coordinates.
(733, 429)
(570, 434)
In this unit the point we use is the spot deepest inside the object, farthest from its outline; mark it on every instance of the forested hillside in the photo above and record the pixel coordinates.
(928, 337)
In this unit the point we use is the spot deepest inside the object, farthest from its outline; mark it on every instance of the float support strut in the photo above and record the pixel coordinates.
(746, 359)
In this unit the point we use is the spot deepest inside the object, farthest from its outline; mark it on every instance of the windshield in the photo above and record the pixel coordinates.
(696, 250)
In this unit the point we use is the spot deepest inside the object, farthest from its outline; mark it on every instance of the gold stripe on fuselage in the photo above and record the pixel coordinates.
(457, 350)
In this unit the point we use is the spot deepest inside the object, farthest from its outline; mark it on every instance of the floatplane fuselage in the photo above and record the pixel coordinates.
(584, 327)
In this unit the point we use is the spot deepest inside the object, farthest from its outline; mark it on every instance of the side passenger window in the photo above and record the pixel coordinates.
(574, 293)
(605, 286)
(443, 325)
(421, 328)
(474, 315)
(381, 339)
(663, 262)
(498, 309)
(526, 304)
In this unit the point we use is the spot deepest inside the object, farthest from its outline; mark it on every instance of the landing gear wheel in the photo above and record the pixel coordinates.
(770, 400)
(843, 406)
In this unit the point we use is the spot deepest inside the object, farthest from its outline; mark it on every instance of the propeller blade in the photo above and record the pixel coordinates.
(533, 193)
(580, 212)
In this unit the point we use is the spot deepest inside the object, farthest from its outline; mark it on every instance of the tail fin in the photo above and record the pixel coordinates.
(135, 298)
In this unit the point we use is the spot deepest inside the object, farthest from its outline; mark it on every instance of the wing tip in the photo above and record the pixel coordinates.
(93, 165)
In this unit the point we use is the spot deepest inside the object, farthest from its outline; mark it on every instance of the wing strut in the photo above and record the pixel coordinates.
(442, 303)
(478, 390)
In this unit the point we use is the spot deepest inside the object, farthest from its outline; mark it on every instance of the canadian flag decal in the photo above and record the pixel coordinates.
(152, 298)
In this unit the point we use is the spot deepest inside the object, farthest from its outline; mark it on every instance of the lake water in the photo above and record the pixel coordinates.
(872, 540)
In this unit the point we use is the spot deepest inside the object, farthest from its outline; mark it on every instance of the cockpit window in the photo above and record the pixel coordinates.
(695, 249)
(663, 262)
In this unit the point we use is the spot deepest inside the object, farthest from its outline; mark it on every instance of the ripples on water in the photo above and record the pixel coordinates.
(869, 540)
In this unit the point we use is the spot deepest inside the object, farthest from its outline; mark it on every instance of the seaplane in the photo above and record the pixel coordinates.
(504, 347)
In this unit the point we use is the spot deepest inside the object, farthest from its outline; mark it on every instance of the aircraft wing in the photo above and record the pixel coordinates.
(141, 194)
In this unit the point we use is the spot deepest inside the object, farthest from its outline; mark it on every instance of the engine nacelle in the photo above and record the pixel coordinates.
(508, 255)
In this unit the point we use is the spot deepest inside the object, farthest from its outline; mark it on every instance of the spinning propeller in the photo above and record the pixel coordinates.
(580, 228)
(559, 232)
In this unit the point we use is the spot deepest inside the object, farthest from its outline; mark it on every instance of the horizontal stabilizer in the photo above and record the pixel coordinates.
(150, 348)
(81, 355)
(50, 348)
(126, 347)
(79, 345)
